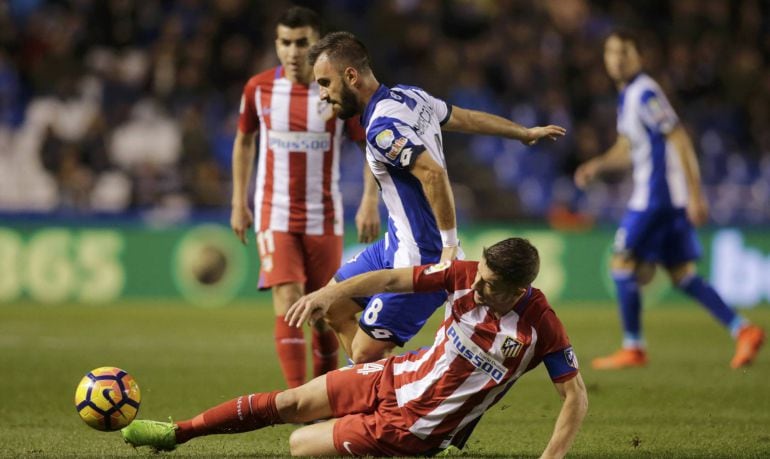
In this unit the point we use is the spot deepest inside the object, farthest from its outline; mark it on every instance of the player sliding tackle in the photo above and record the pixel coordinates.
(404, 151)
(497, 326)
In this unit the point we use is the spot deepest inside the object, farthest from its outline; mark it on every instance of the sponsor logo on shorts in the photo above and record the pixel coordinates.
(381, 333)
(346, 445)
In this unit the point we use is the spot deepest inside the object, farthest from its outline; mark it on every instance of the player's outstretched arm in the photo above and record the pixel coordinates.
(618, 157)
(317, 303)
(476, 122)
(573, 410)
(697, 207)
(241, 217)
(438, 192)
(368, 215)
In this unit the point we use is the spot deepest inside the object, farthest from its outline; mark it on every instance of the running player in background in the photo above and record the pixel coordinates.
(666, 202)
(404, 151)
(496, 327)
(298, 205)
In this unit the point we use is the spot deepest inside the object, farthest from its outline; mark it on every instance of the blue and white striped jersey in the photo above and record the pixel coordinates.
(402, 123)
(645, 117)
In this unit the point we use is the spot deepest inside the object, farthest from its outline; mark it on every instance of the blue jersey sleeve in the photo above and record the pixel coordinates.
(394, 142)
(562, 365)
(656, 113)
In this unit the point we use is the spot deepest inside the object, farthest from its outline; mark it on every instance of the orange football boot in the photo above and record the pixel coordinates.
(750, 339)
(623, 358)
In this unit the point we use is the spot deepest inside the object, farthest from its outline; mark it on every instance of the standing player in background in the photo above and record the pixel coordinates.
(404, 151)
(496, 327)
(298, 206)
(666, 202)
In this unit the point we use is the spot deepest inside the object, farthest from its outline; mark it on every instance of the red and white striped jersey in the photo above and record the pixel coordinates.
(476, 356)
(297, 187)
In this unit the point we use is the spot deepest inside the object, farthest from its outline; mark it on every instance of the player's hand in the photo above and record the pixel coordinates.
(309, 308)
(697, 211)
(585, 174)
(536, 133)
(241, 220)
(368, 222)
(449, 253)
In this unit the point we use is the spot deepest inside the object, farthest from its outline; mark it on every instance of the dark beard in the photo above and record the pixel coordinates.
(348, 104)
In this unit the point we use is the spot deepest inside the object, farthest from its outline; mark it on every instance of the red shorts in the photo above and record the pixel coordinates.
(370, 423)
(296, 257)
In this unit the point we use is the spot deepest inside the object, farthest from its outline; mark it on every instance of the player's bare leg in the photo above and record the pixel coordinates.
(368, 349)
(748, 338)
(341, 317)
(246, 413)
(624, 272)
(314, 440)
(305, 403)
(644, 273)
(289, 341)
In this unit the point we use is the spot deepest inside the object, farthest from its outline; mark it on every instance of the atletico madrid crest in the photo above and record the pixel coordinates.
(511, 347)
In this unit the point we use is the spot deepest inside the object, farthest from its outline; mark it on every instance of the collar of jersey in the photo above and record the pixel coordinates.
(521, 305)
(381, 93)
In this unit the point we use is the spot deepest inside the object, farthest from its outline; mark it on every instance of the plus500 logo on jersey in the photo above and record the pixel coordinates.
(474, 354)
(299, 141)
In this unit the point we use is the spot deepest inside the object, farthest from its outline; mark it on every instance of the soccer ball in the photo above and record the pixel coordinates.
(107, 398)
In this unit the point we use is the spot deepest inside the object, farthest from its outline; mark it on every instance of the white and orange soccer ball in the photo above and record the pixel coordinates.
(107, 398)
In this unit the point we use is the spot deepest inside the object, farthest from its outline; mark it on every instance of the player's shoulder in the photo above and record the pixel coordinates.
(537, 306)
(265, 77)
(645, 87)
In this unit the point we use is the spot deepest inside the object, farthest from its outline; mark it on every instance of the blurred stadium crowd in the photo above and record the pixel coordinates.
(120, 105)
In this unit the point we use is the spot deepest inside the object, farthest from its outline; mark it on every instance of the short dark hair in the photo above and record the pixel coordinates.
(515, 260)
(343, 49)
(625, 35)
(299, 16)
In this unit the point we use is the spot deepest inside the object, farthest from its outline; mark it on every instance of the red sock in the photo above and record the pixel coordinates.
(242, 414)
(325, 347)
(290, 346)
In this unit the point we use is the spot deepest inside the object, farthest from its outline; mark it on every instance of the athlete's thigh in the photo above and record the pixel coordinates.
(680, 244)
(354, 388)
(314, 440)
(638, 237)
(281, 259)
(323, 256)
(397, 317)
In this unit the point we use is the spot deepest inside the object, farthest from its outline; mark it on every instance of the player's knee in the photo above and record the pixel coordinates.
(365, 352)
(288, 405)
(680, 273)
(298, 443)
(644, 273)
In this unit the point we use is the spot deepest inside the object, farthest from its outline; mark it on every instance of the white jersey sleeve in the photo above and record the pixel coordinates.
(655, 111)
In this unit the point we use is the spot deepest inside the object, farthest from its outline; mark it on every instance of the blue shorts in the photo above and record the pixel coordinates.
(394, 317)
(659, 236)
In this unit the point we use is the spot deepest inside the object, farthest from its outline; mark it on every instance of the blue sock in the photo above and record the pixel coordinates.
(630, 304)
(705, 294)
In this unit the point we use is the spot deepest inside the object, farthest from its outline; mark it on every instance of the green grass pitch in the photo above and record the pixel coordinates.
(687, 403)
